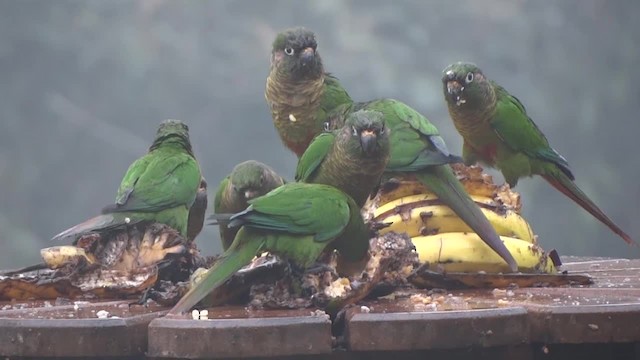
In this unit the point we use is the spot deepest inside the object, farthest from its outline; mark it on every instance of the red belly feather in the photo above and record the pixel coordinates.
(489, 153)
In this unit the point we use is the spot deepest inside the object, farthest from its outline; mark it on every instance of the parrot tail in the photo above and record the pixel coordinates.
(244, 248)
(443, 182)
(195, 221)
(564, 184)
(99, 223)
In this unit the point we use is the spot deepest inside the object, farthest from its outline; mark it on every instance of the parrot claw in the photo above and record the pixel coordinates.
(319, 268)
(376, 226)
(315, 269)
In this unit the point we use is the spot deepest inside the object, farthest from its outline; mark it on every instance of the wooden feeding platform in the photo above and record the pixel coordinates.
(598, 321)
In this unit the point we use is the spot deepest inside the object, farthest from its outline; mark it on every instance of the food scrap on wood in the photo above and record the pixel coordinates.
(120, 266)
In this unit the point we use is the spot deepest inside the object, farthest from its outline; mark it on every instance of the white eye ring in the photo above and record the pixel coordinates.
(469, 78)
(289, 51)
(326, 126)
(355, 131)
(383, 129)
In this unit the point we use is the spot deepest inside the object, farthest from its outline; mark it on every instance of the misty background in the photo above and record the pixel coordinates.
(84, 84)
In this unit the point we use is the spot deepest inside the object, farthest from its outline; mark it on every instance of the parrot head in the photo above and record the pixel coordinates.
(172, 132)
(463, 83)
(295, 54)
(251, 179)
(368, 132)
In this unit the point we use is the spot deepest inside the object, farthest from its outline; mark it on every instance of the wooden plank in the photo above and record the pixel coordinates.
(379, 330)
(228, 335)
(587, 266)
(75, 331)
(618, 323)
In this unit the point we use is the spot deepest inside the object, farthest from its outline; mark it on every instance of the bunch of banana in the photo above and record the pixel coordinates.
(444, 241)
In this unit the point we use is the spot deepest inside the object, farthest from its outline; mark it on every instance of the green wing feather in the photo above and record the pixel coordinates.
(299, 209)
(157, 182)
(416, 142)
(333, 96)
(314, 156)
(518, 131)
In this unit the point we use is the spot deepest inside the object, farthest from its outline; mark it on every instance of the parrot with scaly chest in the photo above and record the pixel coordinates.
(296, 220)
(159, 187)
(498, 132)
(299, 93)
(248, 180)
(351, 158)
(315, 98)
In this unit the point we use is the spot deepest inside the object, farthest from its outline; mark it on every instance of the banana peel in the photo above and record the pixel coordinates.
(424, 278)
(49, 285)
(125, 264)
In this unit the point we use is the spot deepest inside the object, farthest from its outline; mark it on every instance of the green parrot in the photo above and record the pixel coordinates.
(498, 132)
(351, 158)
(197, 211)
(298, 91)
(159, 187)
(296, 220)
(248, 180)
(315, 98)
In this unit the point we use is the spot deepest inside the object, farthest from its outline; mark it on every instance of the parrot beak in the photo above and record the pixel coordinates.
(454, 89)
(307, 55)
(250, 194)
(368, 141)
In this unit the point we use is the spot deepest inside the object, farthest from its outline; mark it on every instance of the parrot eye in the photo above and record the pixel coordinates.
(289, 51)
(355, 131)
(383, 129)
(469, 78)
(326, 126)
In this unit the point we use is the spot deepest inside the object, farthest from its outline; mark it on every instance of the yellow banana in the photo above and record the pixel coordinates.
(466, 252)
(406, 187)
(438, 219)
(425, 199)
(403, 188)
(58, 256)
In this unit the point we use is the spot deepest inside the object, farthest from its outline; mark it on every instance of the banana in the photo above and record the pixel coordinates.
(57, 256)
(416, 220)
(475, 181)
(428, 198)
(466, 252)
(404, 188)
(401, 188)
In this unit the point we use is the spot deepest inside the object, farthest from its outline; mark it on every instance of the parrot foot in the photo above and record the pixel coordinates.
(304, 278)
(319, 268)
(315, 269)
(376, 226)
